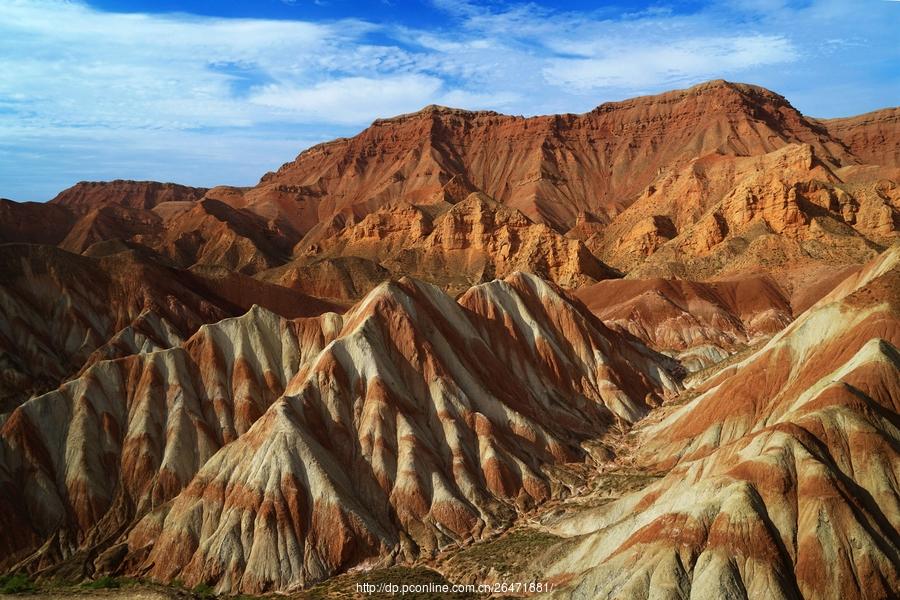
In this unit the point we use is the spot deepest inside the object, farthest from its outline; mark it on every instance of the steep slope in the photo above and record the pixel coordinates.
(416, 428)
(412, 423)
(873, 137)
(551, 168)
(58, 309)
(723, 215)
(700, 323)
(200, 232)
(60, 312)
(344, 279)
(705, 172)
(33, 222)
(78, 464)
(782, 463)
(474, 240)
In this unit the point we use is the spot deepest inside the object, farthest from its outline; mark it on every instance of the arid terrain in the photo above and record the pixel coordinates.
(649, 351)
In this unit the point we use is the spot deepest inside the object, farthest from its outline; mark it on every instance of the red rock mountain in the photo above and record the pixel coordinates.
(784, 462)
(871, 137)
(401, 429)
(90, 195)
(659, 337)
(733, 171)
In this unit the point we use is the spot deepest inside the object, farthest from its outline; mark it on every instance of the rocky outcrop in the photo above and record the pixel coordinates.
(782, 462)
(86, 196)
(627, 178)
(60, 312)
(725, 215)
(33, 222)
(700, 323)
(550, 168)
(148, 430)
(294, 450)
(474, 240)
(873, 137)
(344, 279)
(80, 463)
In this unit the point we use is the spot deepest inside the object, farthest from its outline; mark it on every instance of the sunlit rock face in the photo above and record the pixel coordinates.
(662, 333)
(783, 463)
(410, 423)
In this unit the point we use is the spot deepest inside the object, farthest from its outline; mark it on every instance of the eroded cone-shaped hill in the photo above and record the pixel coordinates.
(784, 463)
(60, 312)
(423, 422)
(80, 463)
(191, 437)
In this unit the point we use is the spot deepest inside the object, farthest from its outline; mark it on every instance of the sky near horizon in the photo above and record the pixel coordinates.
(208, 92)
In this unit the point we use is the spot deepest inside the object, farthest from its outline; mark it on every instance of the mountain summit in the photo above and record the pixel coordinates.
(646, 351)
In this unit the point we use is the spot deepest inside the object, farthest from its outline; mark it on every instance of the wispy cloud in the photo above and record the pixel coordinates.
(105, 93)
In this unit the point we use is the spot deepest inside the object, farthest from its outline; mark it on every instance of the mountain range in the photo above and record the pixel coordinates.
(661, 338)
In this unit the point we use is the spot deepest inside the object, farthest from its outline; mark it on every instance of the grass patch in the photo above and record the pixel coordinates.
(16, 583)
(203, 591)
(507, 553)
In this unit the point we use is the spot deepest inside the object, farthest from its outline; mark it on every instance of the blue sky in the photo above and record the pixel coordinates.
(209, 92)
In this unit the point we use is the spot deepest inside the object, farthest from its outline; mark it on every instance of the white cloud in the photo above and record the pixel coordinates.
(630, 66)
(109, 80)
(351, 99)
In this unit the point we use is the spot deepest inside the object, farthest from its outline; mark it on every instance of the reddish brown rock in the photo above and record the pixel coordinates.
(701, 323)
(782, 463)
(873, 137)
(551, 168)
(86, 196)
(411, 423)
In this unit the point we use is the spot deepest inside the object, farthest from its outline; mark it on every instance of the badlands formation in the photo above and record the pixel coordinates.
(650, 351)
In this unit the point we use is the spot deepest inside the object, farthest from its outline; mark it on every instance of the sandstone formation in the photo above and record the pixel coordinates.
(729, 174)
(700, 323)
(782, 464)
(474, 240)
(410, 423)
(550, 168)
(872, 137)
(343, 279)
(659, 338)
(60, 312)
(90, 195)
(776, 213)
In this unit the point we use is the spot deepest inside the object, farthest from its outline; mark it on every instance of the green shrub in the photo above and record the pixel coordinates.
(203, 590)
(16, 583)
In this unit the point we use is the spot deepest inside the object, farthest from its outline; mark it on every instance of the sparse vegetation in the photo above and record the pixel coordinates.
(507, 553)
(203, 591)
(102, 583)
(16, 583)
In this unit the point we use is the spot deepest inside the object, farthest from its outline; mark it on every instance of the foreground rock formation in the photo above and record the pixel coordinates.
(648, 351)
(783, 463)
(410, 423)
